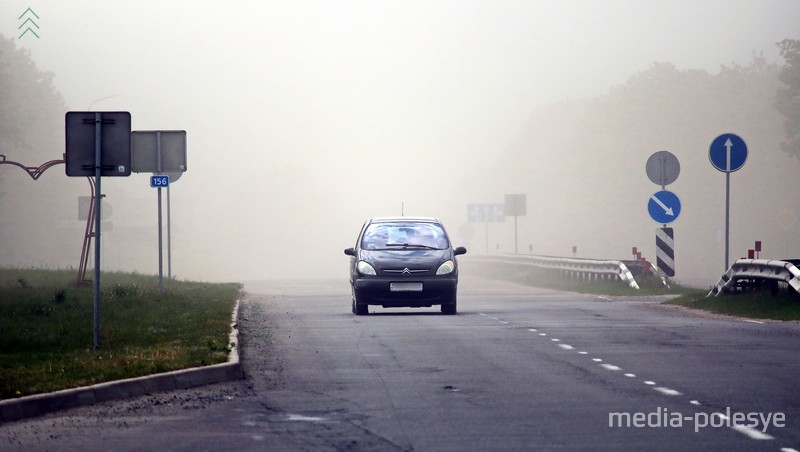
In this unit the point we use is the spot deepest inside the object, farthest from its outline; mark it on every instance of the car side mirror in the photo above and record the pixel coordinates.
(460, 250)
(352, 252)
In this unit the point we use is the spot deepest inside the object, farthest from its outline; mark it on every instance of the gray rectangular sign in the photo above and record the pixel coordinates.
(115, 143)
(155, 151)
(516, 205)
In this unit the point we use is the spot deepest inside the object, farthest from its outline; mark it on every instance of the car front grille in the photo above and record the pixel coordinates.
(406, 271)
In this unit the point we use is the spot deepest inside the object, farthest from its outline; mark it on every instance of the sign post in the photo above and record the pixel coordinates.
(485, 213)
(101, 150)
(162, 152)
(664, 207)
(727, 153)
(515, 205)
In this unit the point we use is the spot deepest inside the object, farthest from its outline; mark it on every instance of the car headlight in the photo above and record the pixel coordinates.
(446, 268)
(365, 269)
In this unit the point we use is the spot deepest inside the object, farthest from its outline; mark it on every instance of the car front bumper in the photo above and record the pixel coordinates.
(377, 290)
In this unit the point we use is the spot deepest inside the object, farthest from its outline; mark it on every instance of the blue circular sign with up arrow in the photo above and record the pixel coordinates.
(664, 207)
(728, 152)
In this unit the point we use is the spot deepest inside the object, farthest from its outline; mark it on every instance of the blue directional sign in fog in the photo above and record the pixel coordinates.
(664, 207)
(728, 152)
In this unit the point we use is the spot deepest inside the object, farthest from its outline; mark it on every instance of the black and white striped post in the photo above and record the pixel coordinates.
(665, 251)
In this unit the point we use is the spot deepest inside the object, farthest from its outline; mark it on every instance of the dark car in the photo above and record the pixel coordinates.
(403, 262)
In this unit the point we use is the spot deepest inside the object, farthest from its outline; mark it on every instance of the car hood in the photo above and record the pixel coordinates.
(405, 257)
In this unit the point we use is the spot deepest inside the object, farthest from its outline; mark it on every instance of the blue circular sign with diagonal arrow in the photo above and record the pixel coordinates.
(664, 207)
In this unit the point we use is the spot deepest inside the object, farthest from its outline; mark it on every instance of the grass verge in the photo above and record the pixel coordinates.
(46, 328)
(759, 304)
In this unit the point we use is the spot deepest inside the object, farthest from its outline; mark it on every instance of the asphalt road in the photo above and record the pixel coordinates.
(518, 369)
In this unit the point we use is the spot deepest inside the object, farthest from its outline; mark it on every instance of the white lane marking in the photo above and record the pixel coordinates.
(788, 449)
(300, 417)
(751, 432)
(650, 383)
(542, 334)
(494, 318)
(667, 391)
(754, 321)
(566, 347)
(695, 402)
(630, 375)
(597, 360)
(610, 367)
(556, 340)
(748, 431)
(583, 353)
(532, 330)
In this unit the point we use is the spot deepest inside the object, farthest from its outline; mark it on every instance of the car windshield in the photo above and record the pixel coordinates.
(381, 236)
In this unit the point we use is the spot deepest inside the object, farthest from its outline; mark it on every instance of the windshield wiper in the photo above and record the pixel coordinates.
(415, 245)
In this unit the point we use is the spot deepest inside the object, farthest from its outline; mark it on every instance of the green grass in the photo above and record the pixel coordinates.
(46, 328)
(759, 304)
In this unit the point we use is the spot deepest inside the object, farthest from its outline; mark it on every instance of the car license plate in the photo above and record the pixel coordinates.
(405, 287)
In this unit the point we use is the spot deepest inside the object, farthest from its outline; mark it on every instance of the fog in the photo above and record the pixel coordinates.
(305, 118)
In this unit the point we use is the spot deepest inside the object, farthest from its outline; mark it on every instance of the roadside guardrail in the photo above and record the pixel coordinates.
(752, 272)
(573, 268)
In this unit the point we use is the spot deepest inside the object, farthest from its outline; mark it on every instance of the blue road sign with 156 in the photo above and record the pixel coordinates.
(159, 181)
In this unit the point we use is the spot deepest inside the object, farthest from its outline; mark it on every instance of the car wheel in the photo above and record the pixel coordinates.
(360, 308)
(450, 308)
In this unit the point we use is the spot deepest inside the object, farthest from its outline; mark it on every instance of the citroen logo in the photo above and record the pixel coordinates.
(406, 271)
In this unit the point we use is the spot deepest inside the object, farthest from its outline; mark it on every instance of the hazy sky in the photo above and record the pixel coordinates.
(304, 118)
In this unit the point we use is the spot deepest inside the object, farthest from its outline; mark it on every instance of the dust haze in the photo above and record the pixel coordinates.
(305, 118)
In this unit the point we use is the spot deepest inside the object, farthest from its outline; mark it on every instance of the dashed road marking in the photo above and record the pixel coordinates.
(750, 432)
(668, 391)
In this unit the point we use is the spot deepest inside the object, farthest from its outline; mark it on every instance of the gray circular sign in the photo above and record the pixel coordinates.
(663, 168)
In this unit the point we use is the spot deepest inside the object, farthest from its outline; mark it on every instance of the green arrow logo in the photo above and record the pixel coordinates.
(29, 22)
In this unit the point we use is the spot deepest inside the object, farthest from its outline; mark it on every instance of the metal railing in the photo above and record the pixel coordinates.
(750, 272)
(570, 268)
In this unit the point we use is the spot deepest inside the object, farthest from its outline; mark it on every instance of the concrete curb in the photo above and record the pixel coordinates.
(40, 404)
